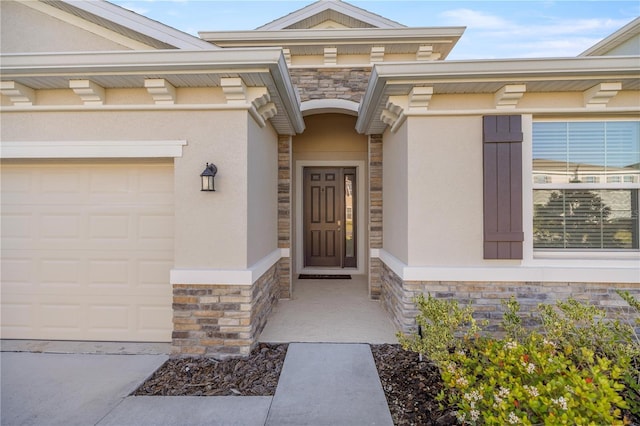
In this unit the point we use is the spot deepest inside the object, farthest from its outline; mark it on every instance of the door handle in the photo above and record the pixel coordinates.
(339, 225)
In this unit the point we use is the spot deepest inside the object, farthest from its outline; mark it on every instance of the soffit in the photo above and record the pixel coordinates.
(111, 70)
(348, 41)
(488, 77)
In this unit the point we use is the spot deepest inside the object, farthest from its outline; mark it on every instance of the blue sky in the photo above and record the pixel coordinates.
(495, 29)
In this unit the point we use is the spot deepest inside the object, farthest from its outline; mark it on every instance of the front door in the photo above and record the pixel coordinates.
(329, 217)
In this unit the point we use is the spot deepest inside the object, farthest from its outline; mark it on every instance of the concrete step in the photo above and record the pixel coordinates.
(329, 384)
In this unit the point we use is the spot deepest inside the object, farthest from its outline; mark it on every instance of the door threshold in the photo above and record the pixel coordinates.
(328, 271)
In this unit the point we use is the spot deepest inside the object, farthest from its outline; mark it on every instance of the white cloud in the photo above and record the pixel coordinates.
(537, 36)
(474, 19)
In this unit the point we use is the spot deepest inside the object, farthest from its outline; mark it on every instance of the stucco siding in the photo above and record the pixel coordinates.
(445, 190)
(395, 196)
(211, 228)
(262, 197)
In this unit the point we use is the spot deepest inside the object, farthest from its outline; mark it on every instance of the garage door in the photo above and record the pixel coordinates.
(86, 250)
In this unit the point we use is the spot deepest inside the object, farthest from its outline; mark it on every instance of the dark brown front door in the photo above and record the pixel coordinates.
(329, 226)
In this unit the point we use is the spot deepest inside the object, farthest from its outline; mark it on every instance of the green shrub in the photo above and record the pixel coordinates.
(575, 374)
(440, 323)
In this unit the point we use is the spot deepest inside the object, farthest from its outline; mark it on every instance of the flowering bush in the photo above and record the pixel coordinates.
(561, 377)
(534, 382)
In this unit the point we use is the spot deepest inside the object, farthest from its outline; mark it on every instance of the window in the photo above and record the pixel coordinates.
(579, 205)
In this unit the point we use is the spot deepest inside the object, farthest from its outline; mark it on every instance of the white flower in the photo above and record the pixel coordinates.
(462, 382)
(549, 343)
(532, 391)
(513, 419)
(475, 415)
(503, 392)
(460, 416)
(530, 367)
(451, 368)
(561, 402)
(511, 345)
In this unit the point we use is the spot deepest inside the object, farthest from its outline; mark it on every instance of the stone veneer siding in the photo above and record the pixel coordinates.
(221, 321)
(375, 213)
(284, 213)
(330, 83)
(486, 297)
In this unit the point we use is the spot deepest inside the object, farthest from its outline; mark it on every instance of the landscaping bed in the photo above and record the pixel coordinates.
(256, 375)
(410, 385)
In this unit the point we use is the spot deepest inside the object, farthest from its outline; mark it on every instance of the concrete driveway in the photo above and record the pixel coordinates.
(68, 389)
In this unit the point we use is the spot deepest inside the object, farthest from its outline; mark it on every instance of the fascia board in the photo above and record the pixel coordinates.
(370, 100)
(409, 74)
(283, 82)
(257, 60)
(340, 36)
(140, 24)
(130, 62)
(509, 68)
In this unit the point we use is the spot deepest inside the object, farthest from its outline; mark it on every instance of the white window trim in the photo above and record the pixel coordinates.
(559, 258)
(92, 149)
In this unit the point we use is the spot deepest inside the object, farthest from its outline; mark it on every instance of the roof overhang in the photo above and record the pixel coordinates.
(130, 24)
(347, 40)
(260, 67)
(489, 76)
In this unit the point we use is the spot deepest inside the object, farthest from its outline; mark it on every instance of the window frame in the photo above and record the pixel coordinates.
(529, 186)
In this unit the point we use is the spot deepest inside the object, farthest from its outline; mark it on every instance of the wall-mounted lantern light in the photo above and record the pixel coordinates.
(207, 177)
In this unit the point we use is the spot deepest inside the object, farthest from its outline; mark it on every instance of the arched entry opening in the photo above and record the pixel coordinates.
(330, 172)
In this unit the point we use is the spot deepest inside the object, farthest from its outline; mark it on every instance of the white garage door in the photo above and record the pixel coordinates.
(86, 250)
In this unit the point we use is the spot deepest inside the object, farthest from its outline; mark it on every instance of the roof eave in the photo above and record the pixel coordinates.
(481, 71)
(138, 23)
(159, 62)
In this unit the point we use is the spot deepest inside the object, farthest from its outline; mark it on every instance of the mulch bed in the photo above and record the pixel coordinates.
(409, 385)
(254, 376)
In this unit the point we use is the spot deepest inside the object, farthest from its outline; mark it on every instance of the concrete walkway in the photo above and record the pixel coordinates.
(329, 311)
(329, 384)
(321, 384)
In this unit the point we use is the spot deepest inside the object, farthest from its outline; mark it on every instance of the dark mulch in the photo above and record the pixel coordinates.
(411, 387)
(256, 375)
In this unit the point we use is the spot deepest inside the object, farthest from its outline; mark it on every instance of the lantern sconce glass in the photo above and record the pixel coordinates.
(207, 177)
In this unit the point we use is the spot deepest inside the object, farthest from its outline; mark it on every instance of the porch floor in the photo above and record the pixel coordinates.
(329, 311)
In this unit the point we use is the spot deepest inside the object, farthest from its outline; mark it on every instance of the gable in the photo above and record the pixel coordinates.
(81, 26)
(321, 13)
(37, 27)
(624, 42)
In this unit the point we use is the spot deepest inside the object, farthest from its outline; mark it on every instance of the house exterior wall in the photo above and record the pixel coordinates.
(262, 197)
(486, 298)
(445, 190)
(331, 83)
(437, 248)
(18, 22)
(395, 195)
